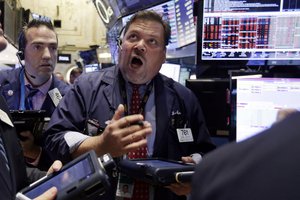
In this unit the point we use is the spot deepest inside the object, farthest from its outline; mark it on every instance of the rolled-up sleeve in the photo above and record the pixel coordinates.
(74, 139)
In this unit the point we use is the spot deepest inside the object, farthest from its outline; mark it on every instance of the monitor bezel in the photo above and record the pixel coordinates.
(205, 65)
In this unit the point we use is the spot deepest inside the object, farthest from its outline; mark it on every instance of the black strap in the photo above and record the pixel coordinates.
(124, 95)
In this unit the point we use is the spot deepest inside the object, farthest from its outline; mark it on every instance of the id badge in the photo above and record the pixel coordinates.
(55, 96)
(185, 135)
(125, 186)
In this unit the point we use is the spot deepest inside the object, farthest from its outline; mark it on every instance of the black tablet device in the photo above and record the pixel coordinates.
(156, 171)
(30, 120)
(83, 178)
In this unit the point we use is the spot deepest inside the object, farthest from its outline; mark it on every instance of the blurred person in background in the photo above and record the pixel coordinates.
(59, 76)
(75, 73)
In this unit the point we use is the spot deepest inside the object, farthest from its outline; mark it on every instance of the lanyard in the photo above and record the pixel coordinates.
(22, 88)
(124, 95)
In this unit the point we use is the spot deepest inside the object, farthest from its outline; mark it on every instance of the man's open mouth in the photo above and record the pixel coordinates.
(136, 62)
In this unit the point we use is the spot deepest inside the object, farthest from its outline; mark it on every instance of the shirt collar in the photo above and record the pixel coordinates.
(42, 88)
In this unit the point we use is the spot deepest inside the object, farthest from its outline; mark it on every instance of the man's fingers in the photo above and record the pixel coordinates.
(118, 113)
(136, 133)
(56, 166)
(48, 195)
(135, 145)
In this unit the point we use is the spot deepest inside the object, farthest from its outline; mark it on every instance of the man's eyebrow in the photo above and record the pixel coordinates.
(42, 43)
(152, 35)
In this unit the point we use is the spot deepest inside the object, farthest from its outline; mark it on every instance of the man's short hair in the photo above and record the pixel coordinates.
(151, 16)
(33, 23)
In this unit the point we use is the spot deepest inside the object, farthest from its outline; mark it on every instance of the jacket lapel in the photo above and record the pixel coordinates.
(163, 103)
(11, 93)
(112, 90)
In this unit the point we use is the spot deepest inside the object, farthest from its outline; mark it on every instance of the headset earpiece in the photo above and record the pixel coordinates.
(20, 55)
(119, 43)
(21, 41)
(120, 37)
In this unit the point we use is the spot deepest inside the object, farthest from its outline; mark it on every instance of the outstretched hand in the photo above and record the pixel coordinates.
(121, 136)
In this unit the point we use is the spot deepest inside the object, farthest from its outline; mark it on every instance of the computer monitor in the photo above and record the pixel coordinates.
(91, 67)
(89, 56)
(263, 32)
(257, 102)
(170, 70)
(186, 29)
(184, 74)
(213, 96)
(112, 36)
(167, 10)
(129, 6)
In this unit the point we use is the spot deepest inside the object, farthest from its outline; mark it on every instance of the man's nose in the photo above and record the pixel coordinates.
(46, 53)
(141, 46)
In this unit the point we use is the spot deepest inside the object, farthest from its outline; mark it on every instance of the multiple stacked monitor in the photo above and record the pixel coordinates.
(261, 37)
(266, 32)
(246, 103)
(256, 101)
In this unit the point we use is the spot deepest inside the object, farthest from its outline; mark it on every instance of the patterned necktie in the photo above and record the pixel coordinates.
(141, 189)
(28, 101)
(134, 109)
(3, 154)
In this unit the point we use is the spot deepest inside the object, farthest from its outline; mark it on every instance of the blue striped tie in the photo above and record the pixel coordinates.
(31, 93)
(3, 153)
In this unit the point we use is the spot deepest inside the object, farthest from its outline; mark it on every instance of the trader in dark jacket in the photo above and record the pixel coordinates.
(33, 86)
(266, 166)
(171, 112)
(13, 175)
